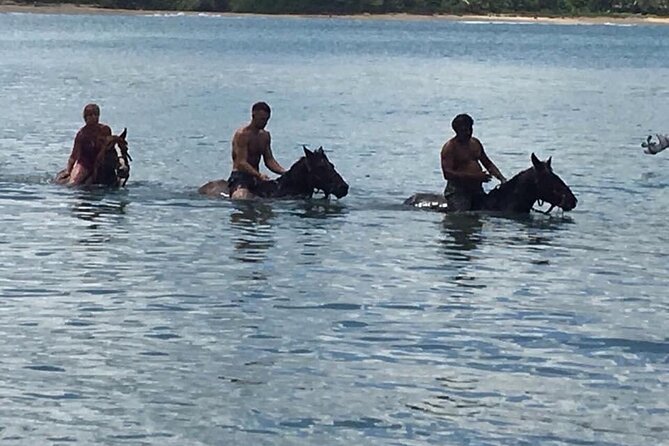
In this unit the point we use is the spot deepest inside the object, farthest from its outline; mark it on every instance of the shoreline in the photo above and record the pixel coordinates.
(74, 9)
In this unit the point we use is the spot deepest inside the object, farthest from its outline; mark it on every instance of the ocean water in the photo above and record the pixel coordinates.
(152, 315)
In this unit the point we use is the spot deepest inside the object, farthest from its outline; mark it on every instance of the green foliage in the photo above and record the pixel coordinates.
(561, 7)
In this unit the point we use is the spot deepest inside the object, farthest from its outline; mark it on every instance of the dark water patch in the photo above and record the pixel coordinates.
(77, 323)
(548, 439)
(45, 368)
(630, 345)
(340, 306)
(330, 306)
(365, 423)
(125, 437)
(153, 353)
(161, 402)
(301, 423)
(300, 351)
(62, 396)
(262, 336)
(163, 336)
(62, 439)
(555, 372)
(403, 307)
(240, 380)
(165, 307)
(454, 307)
(352, 324)
(260, 431)
(29, 292)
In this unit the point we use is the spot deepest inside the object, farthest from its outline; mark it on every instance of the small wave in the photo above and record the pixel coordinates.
(166, 14)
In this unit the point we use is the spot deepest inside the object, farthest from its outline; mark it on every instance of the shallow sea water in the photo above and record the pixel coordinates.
(152, 315)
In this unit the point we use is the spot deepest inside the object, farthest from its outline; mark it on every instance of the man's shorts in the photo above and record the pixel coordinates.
(461, 200)
(241, 180)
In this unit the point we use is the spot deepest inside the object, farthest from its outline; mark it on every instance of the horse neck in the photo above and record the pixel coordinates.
(104, 170)
(295, 180)
(516, 195)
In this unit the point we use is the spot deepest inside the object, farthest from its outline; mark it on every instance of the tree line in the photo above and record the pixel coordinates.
(547, 7)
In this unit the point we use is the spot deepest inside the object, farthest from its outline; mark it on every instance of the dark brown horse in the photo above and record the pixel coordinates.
(310, 173)
(112, 164)
(516, 196)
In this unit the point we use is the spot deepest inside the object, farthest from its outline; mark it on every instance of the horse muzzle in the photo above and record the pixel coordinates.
(568, 203)
(341, 190)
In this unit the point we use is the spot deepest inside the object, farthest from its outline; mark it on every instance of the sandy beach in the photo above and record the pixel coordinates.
(70, 8)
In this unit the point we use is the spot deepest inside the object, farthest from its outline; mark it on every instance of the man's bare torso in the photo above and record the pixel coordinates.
(465, 158)
(255, 143)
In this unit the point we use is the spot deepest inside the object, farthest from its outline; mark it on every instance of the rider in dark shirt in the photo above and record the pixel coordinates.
(89, 141)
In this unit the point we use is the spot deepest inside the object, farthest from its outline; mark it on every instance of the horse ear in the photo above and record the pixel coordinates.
(320, 150)
(536, 163)
(548, 163)
(307, 152)
(124, 133)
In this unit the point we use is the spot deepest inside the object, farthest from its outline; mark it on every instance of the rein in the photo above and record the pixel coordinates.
(313, 177)
(541, 203)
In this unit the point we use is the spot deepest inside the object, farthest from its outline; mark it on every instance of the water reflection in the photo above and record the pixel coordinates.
(104, 210)
(462, 233)
(320, 208)
(252, 232)
(536, 229)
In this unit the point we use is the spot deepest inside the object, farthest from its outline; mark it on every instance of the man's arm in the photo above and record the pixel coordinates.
(270, 162)
(448, 167)
(240, 147)
(488, 164)
(76, 148)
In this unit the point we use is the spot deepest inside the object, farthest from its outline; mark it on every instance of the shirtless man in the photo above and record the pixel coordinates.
(87, 144)
(461, 159)
(249, 144)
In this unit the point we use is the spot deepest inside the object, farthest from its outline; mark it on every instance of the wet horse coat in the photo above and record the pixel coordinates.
(310, 173)
(516, 196)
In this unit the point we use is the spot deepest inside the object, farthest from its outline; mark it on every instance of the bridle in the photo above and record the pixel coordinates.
(122, 157)
(541, 203)
(315, 178)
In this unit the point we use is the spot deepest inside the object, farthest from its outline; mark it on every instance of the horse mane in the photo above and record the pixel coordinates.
(516, 195)
(290, 182)
(103, 172)
(309, 173)
(295, 178)
(510, 185)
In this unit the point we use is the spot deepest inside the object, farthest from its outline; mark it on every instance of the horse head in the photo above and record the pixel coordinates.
(322, 175)
(550, 187)
(115, 158)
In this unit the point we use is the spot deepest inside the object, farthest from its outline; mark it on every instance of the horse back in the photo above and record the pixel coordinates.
(427, 201)
(215, 188)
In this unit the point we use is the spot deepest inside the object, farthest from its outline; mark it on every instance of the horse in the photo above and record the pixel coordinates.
(310, 173)
(112, 164)
(516, 196)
